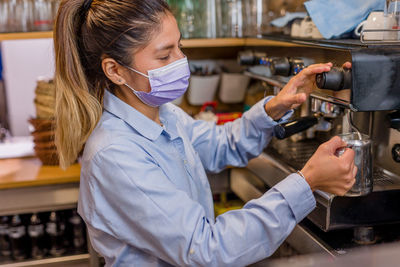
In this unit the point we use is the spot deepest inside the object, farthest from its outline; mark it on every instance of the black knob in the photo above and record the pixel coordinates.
(280, 66)
(396, 153)
(336, 79)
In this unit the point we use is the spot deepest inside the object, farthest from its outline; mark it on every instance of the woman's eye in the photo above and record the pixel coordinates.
(164, 58)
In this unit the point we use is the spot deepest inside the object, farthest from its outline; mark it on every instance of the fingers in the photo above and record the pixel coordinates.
(334, 144)
(347, 65)
(316, 68)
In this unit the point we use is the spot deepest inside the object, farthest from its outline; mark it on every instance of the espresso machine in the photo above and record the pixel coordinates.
(365, 99)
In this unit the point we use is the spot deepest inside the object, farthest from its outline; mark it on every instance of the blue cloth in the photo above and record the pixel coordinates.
(334, 18)
(146, 199)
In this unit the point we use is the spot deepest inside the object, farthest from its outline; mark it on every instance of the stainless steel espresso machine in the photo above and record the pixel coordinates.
(365, 98)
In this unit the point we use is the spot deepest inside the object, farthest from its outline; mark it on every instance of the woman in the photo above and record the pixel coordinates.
(144, 194)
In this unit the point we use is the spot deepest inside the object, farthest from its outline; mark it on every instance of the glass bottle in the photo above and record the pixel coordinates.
(78, 232)
(55, 228)
(17, 234)
(36, 234)
(5, 247)
(229, 18)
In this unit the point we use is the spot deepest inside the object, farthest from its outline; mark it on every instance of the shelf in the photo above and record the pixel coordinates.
(339, 44)
(219, 42)
(231, 42)
(27, 172)
(56, 261)
(267, 40)
(25, 35)
(274, 81)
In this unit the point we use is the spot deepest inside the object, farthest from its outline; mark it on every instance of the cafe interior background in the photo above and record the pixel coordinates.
(239, 51)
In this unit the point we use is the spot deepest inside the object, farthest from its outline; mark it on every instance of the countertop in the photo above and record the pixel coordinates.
(27, 172)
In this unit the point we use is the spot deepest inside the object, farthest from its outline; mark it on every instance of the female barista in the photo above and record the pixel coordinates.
(144, 193)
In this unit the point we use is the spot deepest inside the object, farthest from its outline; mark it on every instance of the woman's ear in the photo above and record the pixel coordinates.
(113, 71)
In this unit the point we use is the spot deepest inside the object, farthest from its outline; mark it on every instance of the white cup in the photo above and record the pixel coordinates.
(373, 27)
(308, 29)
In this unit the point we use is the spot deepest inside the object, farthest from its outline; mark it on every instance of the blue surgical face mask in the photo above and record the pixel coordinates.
(167, 83)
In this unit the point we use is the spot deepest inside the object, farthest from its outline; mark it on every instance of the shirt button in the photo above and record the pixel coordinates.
(185, 161)
(191, 251)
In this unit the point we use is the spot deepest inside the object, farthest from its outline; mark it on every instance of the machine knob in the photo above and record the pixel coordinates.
(396, 153)
(336, 79)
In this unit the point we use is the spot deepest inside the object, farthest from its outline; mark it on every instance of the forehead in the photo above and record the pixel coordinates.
(168, 34)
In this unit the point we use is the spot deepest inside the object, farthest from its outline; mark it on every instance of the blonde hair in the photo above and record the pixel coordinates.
(85, 32)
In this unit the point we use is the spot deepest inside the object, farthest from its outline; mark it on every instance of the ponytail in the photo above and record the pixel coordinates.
(77, 110)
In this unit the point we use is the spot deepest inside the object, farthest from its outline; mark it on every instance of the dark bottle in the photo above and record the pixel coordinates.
(5, 246)
(78, 232)
(55, 228)
(36, 234)
(17, 234)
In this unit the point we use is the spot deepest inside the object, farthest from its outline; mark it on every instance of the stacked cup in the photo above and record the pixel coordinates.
(43, 124)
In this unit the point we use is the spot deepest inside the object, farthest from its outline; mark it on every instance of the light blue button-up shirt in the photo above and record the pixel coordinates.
(146, 200)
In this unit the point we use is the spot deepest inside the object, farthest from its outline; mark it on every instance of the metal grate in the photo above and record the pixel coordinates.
(382, 178)
(296, 154)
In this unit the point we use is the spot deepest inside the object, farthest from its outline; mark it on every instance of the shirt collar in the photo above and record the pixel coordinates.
(145, 126)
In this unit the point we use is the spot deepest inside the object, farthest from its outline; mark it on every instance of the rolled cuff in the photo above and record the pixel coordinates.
(298, 194)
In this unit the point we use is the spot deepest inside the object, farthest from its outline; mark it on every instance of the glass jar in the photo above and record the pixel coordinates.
(196, 19)
(229, 18)
(43, 15)
(257, 16)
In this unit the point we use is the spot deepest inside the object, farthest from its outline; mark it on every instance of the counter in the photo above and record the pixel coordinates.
(27, 172)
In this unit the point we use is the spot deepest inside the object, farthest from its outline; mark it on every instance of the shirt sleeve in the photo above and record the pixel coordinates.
(136, 203)
(234, 143)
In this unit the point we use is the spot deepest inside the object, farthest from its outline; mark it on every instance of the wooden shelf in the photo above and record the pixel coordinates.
(219, 42)
(188, 43)
(268, 40)
(26, 172)
(25, 35)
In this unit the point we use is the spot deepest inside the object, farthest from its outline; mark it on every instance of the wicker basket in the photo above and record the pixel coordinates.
(45, 88)
(42, 125)
(47, 156)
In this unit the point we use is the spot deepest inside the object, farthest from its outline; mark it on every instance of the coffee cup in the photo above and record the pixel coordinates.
(375, 26)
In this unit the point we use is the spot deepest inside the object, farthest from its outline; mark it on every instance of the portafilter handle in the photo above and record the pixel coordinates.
(285, 130)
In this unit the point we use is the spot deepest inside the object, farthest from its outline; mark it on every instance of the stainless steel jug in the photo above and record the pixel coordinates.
(363, 161)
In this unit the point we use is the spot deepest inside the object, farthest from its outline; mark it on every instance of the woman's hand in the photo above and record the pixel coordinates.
(327, 172)
(296, 91)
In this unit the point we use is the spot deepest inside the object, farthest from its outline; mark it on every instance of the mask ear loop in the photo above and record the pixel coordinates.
(138, 72)
(138, 96)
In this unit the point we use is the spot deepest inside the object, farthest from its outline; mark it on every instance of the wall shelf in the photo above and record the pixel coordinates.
(267, 40)
(25, 35)
(82, 259)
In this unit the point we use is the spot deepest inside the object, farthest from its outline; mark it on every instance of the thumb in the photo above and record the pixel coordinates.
(334, 144)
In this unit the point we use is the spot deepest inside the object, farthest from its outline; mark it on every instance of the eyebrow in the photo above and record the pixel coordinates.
(170, 46)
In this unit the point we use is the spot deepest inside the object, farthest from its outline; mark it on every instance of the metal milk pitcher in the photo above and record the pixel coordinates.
(363, 161)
